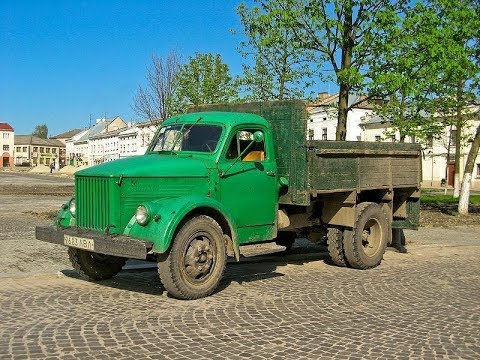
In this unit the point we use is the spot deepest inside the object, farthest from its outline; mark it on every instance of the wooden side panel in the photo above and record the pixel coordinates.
(333, 172)
(374, 172)
(351, 165)
(406, 170)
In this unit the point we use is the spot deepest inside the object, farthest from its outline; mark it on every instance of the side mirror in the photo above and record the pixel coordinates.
(258, 136)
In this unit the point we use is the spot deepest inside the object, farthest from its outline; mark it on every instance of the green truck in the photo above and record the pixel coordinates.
(228, 175)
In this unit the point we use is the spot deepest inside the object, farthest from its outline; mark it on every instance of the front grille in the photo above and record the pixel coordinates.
(92, 197)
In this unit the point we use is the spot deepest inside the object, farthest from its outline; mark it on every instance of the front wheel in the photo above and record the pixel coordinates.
(95, 266)
(194, 265)
(365, 244)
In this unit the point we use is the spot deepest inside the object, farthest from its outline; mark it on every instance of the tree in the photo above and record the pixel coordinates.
(152, 101)
(340, 33)
(432, 70)
(281, 67)
(41, 131)
(205, 79)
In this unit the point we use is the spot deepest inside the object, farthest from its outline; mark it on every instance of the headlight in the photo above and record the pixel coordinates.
(72, 208)
(142, 215)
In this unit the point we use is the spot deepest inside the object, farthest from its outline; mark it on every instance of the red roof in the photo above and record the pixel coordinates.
(5, 127)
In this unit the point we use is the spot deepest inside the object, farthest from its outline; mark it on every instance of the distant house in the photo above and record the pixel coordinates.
(32, 151)
(322, 124)
(83, 150)
(6, 145)
(63, 137)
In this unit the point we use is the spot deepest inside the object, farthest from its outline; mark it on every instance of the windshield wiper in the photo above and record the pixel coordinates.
(181, 136)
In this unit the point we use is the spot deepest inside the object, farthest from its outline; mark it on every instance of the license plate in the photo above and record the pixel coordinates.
(78, 242)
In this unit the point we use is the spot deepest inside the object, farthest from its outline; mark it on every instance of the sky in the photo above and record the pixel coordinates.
(65, 62)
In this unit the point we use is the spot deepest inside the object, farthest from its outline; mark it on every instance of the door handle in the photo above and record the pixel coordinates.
(270, 173)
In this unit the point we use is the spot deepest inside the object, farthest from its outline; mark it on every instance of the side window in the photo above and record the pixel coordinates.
(239, 144)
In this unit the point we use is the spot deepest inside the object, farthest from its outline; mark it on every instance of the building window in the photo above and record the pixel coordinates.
(378, 138)
(42, 150)
(18, 148)
(6, 147)
(324, 134)
(54, 150)
(35, 148)
(47, 150)
(311, 134)
(6, 135)
(478, 170)
(41, 160)
(24, 149)
(394, 138)
(414, 140)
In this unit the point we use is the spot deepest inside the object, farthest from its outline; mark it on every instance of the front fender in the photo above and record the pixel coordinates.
(64, 217)
(166, 215)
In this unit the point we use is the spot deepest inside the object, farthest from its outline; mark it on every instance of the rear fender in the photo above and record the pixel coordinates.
(167, 214)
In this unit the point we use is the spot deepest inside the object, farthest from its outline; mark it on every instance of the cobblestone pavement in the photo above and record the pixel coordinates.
(424, 304)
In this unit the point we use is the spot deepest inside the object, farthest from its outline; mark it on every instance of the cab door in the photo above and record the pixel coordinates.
(248, 182)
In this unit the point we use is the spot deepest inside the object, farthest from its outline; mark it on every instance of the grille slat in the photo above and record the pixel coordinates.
(93, 210)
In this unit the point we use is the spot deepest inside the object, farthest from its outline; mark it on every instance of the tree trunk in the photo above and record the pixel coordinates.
(341, 133)
(347, 53)
(467, 176)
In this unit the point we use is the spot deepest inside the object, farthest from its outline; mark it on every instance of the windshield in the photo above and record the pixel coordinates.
(187, 137)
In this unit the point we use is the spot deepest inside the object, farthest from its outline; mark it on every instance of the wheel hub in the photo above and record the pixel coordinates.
(199, 258)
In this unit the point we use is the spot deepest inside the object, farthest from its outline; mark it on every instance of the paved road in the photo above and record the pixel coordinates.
(425, 304)
(29, 179)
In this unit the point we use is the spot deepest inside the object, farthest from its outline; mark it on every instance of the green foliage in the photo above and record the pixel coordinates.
(205, 79)
(281, 68)
(438, 199)
(41, 131)
(431, 72)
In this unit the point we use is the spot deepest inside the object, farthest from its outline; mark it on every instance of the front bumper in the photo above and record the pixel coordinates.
(116, 245)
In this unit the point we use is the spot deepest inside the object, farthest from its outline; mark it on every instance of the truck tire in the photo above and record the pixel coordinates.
(365, 245)
(286, 238)
(195, 263)
(335, 246)
(95, 266)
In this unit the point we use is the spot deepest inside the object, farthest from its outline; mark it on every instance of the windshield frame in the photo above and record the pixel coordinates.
(187, 125)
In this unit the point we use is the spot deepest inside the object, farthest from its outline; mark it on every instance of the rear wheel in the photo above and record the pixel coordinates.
(194, 265)
(95, 266)
(335, 246)
(365, 245)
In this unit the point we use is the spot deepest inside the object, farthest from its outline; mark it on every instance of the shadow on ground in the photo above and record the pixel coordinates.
(144, 279)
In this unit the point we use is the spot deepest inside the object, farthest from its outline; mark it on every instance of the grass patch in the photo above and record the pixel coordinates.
(429, 198)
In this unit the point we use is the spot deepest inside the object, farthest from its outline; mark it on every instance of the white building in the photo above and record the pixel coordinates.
(6, 145)
(85, 153)
(136, 140)
(322, 124)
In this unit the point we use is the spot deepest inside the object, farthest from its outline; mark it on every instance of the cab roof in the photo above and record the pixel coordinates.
(229, 119)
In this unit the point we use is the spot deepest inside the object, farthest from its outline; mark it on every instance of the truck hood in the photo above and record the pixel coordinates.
(151, 165)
